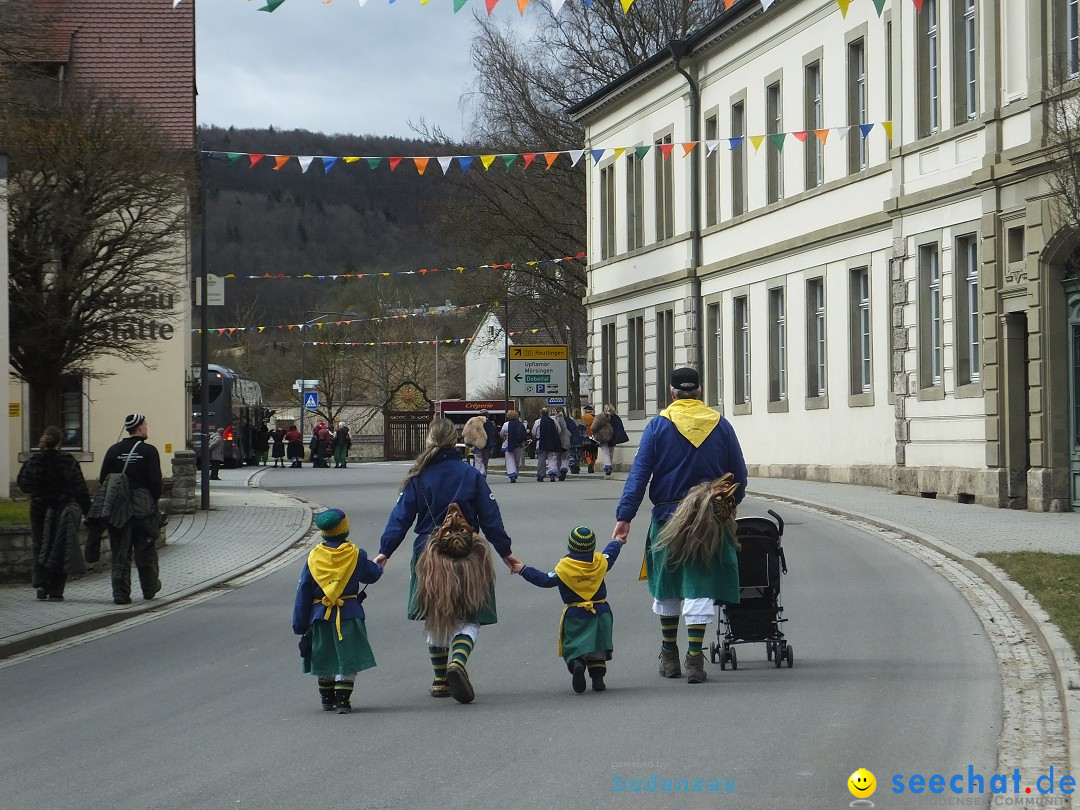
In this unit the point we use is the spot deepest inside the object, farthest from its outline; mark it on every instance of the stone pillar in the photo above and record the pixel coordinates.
(182, 499)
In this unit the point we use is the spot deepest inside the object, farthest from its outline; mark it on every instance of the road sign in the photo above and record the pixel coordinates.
(538, 371)
(311, 400)
(306, 384)
(556, 400)
(215, 291)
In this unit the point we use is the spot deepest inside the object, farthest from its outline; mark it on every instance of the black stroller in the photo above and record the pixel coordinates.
(758, 616)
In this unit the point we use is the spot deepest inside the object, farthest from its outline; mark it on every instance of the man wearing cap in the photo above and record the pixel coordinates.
(138, 460)
(687, 444)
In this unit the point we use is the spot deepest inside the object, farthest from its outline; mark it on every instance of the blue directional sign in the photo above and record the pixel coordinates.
(311, 400)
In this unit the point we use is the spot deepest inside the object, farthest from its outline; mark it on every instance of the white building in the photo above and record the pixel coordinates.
(864, 308)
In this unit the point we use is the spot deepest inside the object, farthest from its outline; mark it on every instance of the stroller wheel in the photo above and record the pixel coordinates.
(734, 659)
(778, 655)
(768, 650)
(723, 658)
(790, 656)
(712, 652)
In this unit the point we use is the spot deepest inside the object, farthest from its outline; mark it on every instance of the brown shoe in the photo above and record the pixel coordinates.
(695, 668)
(440, 689)
(458, 679)
(669, 663)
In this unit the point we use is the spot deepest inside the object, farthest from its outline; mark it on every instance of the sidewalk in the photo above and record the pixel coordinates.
(244, 528)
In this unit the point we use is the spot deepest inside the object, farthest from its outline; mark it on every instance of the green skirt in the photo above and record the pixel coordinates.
(485, 615)
(329, 656)
(589, 635)
(718, 580)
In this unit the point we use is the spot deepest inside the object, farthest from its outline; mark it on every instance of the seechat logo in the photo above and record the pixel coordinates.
(862, 784)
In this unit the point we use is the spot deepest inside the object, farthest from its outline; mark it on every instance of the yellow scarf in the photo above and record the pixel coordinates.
(331, 569)
(692, 418)
(584, 579)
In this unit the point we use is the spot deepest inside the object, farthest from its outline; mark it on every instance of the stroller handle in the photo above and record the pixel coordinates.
(779, 521)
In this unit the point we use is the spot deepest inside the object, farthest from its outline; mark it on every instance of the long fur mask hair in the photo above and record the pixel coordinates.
(450, 587)
(441, 433)
(703, 521)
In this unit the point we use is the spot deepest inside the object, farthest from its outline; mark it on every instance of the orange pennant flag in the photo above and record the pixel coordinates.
(280, 160)
(394, 161)
(688, 147)
(521, 6)
(421, 164)
(550, 158)
(728, 4)
(822, 134)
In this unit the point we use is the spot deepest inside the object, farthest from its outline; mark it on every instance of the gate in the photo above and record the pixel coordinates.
(406, 417)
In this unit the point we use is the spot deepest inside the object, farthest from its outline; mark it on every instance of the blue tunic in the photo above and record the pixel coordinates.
(569, 597)
(306, 608)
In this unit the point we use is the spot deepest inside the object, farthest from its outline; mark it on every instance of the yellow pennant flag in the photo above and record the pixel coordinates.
(887, 125)
(626, 5)
(350, 159)
(619, 151)
(487, 160)
(843, 7)
(757, 140)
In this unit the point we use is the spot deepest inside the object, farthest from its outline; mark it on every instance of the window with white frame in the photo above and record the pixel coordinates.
(635, 349)
(814, 151)
(665, 355)
(888, 70)
(607, 212)
(665, 190)
(777, 346)
(68, 403)
(968, 338)
(609, 363)
(774, 157)
(712, 172)
(931, 326)
(738, 159)
(929, 70)
(635, 202)
(965, 62)
(741, 341)
(1072, 37)
(714, 389)
(857, 104)
(861, 380)
(502, 366)
(815, 338)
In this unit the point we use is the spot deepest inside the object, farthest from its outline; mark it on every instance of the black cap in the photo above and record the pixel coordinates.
(685, 379)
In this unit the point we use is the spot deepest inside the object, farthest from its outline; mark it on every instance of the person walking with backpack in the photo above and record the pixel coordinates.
(608, 431)
(513, 436)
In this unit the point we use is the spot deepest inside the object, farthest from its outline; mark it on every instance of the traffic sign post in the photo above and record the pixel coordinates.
(538, 371)
(311, 400)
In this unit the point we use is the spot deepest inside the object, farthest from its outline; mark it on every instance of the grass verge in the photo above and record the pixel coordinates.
(14, 513)
(1053, 579)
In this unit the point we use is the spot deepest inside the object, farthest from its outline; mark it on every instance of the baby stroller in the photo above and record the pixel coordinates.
(758, 616)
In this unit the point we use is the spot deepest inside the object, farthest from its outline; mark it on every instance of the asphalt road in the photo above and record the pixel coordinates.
(207, 707)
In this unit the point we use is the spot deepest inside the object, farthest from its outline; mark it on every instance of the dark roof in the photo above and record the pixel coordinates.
(139, 50)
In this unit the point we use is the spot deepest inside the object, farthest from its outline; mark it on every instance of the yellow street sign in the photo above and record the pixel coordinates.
(539, 353)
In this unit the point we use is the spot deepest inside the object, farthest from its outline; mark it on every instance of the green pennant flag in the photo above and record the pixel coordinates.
(271, 5)
(641, 151)
(459, 4)
(778, 140)
(509, 160)
(879, 5)
(233, 157)
(373, 163)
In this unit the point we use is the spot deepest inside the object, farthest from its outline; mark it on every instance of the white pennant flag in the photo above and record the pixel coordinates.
(445, 162)
(842, 131)
(304, 162)
(711, 146)
(175, 3)
(575, 156)
(766, 3)
(556, 5)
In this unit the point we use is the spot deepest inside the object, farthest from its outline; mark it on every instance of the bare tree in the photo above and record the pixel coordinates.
(1063, 154)
(98, 216)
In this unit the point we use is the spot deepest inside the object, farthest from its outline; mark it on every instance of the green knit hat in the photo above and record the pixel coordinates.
(333, 524)
(582, 540)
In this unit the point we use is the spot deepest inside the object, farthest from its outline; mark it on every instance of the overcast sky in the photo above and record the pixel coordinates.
(338, 67)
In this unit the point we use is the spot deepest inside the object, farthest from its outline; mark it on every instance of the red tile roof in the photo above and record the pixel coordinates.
(141, 50)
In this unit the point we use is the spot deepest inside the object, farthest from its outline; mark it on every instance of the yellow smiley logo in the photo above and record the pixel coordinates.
(862, 784)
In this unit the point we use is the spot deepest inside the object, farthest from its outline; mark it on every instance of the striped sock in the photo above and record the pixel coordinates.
(695, 636)
(597, 667)
(439, 656)
(460, 648)
(669, 628)
(343, 689)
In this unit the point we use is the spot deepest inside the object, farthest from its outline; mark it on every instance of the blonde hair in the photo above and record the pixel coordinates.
(609, 408)
(511, 414)
(701, 524)
(441, 433)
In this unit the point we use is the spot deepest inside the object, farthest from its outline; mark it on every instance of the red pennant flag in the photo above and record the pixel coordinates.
(529, 158)
(918, 4)
(801, 136)
(394, 161)
(491, 5)
(254, 160)
(665, 149)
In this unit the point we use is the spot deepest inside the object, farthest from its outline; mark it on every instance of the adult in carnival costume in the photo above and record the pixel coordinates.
(688, 444)
(452, 580)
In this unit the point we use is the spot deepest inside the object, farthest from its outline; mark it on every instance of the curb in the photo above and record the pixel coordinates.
(1066, 667)
(39, 638)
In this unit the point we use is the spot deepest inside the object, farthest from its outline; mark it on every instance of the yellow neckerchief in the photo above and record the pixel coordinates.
(693, 418)
(331, 569)
(583, 578)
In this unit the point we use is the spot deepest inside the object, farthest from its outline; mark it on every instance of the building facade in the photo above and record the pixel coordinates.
(143, 51)
(844, 221)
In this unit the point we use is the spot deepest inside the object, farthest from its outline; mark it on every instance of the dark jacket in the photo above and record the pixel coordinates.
(144, 469)
(53, 478)
(548, 436)
(308, 607)
(550, 579)
(515, 434)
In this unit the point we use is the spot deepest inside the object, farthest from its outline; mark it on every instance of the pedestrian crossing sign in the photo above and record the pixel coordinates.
(311, 400)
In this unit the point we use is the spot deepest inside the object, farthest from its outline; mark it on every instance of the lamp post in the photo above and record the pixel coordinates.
(204, 349)
(311, 315)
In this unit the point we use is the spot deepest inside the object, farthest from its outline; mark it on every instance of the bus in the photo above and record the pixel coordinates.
(236, 405)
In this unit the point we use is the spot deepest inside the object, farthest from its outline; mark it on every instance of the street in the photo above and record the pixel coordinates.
(207, 707)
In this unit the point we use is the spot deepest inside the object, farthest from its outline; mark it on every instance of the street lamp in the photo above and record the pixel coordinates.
(311, 315)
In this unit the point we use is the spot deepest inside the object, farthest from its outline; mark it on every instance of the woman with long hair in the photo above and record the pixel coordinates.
(608, 431)
(58, 500)
(452, 580)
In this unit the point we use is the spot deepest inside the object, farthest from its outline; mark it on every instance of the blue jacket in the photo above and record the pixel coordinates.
(426, 497)
(306, 608)
(675, 466)
(550, 580)
(548, 440)
(515, 434)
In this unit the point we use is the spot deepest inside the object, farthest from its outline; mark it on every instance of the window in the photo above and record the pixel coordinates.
(67, 410)
(967, 311)
(777, 346)
(741, 322)
(888, 70)
(861, 381)
(857, 113)
(609, 363)
(931, 328)
(491, 332)
(635, 203)
(929, 79)
(665, 355)
(1072, 36)
(635, 349)
(502, 366)
(965, 63)
(714, 390)
(774, 156)
(738, 160)
(712, 173)
(665, 191)
(607, 212)
(814, 150)
(815, 338)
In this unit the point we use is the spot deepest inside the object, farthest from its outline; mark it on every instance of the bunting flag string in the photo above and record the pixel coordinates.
(526, 159)
(423, 271)
(556, 5)
(301, 327)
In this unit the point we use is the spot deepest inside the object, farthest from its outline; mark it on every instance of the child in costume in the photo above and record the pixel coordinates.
(327, 614)
(585, 629)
